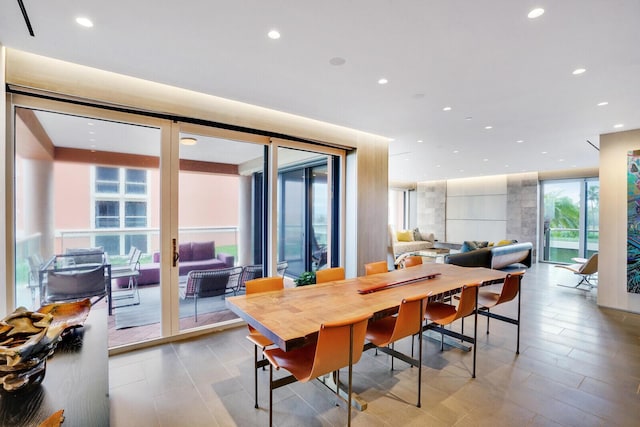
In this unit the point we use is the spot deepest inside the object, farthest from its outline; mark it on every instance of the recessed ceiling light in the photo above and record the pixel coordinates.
(446, 109)
(274, 34)
(488, 127)
(544, 152)
(382, 81)
(337, 61)
(602, 104)
(535, 13)
(89, 123)
(188, 141)
(419, 140)
(455, 151)
(578, 71)
(561, 160)
(485, 160)
(84, 21)
(618, 126)
(91, 132)
(506, 166)
(520, 141)
(437, 166)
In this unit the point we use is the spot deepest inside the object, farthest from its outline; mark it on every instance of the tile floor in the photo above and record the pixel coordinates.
(579, 365)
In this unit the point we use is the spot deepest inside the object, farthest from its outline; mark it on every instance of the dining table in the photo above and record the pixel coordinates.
(291, 317)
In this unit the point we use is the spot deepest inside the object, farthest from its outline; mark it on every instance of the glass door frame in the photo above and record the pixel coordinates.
(583, 208)
(335, 183)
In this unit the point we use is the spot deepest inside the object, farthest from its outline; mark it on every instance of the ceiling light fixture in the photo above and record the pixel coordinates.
(618, 126)
(488, 127)
(579, 71)
(382, 81)
(188, 141)
(535, 13)
(446, 109)
(602, 104)
(84, 21)
(419, 140)
(520, 141)
(274, 34)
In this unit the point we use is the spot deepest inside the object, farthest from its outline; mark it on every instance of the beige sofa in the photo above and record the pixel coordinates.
(409, 241)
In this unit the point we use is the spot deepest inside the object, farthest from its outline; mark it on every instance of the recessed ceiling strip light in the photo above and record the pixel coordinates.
(578, 71)
(84, 21)
(274, 34)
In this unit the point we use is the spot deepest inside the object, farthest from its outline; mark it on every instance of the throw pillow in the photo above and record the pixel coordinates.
(505, 242)
(472, 245)
(417, 236)
(405, 236)
(428, 237)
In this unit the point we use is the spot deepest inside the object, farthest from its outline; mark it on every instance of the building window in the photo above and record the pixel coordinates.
(121, 202)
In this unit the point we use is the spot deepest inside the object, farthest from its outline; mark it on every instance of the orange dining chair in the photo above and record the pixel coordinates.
(384, 332)
(376, 267)
(488, 299)
(330, 274)
(441, 314)
(339, 344)
(263, 284)
(412, 260)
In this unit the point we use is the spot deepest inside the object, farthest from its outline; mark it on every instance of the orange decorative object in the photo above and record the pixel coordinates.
(68, 314)
(54, 420)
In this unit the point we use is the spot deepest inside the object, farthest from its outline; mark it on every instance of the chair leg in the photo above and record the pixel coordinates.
(419, 357)
(270, 394)
(518, 324)
(475, 336)
(441, 341)
(488, 317)
(391, 345)
(462, 328)
(350, 375)
(255, 373)
(196, 307)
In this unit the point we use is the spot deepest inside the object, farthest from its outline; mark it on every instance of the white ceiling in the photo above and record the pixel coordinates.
(485, 59)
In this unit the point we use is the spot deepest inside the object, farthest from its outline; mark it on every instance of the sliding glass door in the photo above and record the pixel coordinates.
(88, 183)
(570, 228)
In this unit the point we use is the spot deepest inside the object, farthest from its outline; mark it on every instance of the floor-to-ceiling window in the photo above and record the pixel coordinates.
(570, 215)
(93, 178)
(304, 210)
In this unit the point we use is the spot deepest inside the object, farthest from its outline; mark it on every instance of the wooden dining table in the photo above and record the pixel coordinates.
(291, 317)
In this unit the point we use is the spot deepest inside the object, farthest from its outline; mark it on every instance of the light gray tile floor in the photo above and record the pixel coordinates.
(579, 365)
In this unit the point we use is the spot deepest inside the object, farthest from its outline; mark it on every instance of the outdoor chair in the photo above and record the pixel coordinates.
(585, 271)
(249, 272)
(386, 331)
(209, 283)
(264, 284)
(76, 283)
(130, 271)
(35, 264)
(330, 274)
(339, 344)
(281, 268)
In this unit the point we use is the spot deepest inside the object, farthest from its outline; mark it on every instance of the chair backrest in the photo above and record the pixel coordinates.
(264, 284)
(591, 266)
(86, 255)
(510, 288)
(468, 298)
(330, 274)
(376, 267)
(410, 316)
(209, 283)
(249, 272)
(336, 340)
(412, 260)
(75, 284)
(281, 268)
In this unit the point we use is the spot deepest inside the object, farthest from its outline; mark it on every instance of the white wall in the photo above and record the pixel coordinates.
(477, 209)
(612, 261)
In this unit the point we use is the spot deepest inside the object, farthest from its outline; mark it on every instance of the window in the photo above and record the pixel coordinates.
(121, 201)
(107, 180)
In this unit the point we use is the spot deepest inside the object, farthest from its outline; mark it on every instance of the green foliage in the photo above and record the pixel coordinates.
(306, 278)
